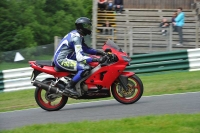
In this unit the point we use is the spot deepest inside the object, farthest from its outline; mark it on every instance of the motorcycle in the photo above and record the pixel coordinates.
(103, 80)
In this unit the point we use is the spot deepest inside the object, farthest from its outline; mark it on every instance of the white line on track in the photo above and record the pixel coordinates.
(109, 100)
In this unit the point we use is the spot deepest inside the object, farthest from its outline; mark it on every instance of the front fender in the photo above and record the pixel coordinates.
(123, 79)
(128, 74)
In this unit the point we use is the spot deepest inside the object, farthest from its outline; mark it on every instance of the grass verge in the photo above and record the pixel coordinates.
(179, 123)
(22, 64)
(154, 84)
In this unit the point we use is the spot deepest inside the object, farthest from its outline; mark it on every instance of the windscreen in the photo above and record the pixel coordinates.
(111, 44)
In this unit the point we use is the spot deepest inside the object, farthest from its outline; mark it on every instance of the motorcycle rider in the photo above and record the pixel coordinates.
(70, 53)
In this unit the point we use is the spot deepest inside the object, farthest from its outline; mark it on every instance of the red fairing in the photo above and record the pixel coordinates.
(94, 64)
(111, 72)
(110, 75)
(48, 69)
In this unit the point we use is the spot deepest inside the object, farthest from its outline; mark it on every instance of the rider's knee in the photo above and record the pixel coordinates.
(86, 71)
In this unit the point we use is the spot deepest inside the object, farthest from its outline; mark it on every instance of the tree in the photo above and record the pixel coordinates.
(27, 23)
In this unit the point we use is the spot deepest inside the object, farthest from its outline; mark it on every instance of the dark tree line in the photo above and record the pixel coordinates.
(27, 23)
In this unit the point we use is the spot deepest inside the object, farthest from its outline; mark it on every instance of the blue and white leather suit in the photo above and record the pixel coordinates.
(70, 54)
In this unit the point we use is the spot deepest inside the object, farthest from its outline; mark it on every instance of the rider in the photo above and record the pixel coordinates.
(70, 53)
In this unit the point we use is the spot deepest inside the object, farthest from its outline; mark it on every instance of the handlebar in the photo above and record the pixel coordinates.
(110, 58)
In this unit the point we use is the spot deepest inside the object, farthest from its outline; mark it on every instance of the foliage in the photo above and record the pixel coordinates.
(28, 23)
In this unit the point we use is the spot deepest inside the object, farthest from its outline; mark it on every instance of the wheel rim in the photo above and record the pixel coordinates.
(134, 89)
(47, 103)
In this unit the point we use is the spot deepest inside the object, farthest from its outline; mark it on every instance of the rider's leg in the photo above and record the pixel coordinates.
(68, 65)
(72, 65)
(83, 70)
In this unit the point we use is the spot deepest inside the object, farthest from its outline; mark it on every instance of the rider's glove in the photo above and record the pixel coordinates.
(100, 60)
(112, 57)
(100, 53)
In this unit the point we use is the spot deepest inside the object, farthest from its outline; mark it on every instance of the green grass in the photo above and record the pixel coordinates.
(21, 64)
(175, 82)
(154, 84)
(12, 65)
(179, 123)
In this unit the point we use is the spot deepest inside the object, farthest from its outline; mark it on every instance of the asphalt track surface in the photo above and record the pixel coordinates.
(185, 103)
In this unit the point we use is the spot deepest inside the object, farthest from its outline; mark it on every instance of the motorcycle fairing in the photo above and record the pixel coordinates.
(110, 75)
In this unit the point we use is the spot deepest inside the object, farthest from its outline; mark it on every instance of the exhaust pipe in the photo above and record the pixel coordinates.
(46, 87)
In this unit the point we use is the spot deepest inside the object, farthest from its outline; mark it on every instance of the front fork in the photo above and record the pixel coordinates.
(123, 79)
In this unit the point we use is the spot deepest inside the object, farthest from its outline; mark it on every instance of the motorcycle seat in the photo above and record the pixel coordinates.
(44, 63)
(62, 70)
(58, 70)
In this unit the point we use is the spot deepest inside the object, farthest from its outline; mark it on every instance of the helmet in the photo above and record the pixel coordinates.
(83, 26)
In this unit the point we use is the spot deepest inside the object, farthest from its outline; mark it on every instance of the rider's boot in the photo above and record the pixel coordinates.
(70, 88)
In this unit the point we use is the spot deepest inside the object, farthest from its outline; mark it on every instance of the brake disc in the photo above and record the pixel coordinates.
(129, 92)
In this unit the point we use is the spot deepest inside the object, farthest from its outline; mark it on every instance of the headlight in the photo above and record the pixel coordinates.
(126, 58)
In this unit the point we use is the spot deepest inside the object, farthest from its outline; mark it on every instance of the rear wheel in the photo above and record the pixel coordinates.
(134, 93)
(49, 101)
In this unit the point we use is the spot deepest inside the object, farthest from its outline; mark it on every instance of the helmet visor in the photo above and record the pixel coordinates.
(87, 26)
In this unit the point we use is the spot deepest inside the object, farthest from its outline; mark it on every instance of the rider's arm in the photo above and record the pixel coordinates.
(79, 51)
(88, 50)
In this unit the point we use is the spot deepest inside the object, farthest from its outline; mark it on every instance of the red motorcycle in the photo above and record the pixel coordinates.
(104, 79)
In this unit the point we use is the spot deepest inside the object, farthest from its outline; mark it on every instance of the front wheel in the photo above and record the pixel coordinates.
(49, 101)
(134, 93)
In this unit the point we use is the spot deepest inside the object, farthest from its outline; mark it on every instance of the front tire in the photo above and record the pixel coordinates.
(49, 101)
(134, 93)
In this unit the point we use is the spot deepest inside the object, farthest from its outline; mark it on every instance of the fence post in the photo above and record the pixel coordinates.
(170, 37)
(94, 22)
(150, 47)
(131, 41)
(197, 22)
(167, 39)
(125, 42)
(197, 33)
(55, 42)
(113, 36)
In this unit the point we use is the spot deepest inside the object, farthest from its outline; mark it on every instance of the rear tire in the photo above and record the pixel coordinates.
(49, 101)
(134, 93)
